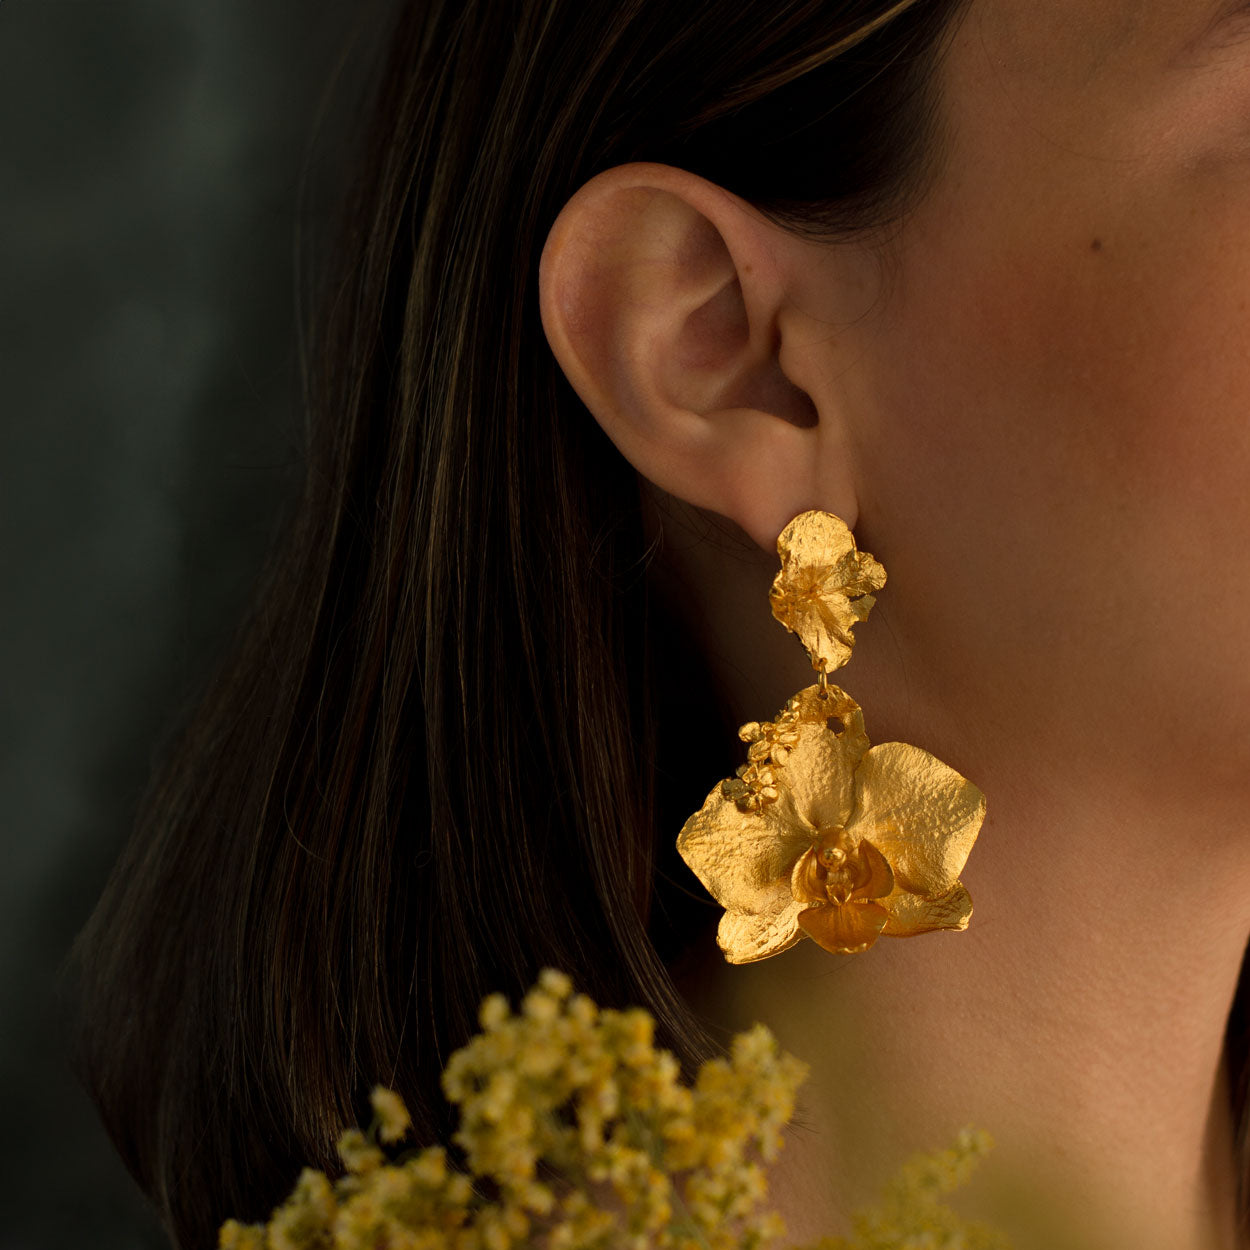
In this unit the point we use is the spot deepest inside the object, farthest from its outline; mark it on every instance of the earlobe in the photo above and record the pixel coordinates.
(663, 301)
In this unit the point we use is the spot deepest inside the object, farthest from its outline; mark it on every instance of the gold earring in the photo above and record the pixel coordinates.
(821, 833)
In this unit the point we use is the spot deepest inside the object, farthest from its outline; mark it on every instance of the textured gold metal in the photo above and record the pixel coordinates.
(826, 835)
(821, 833)
(825, 586)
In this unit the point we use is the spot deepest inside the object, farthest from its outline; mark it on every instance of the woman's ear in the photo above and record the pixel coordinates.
(669, 304)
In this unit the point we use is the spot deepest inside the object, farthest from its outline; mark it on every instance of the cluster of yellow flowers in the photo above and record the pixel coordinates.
(912, 1215)
(577, 1133)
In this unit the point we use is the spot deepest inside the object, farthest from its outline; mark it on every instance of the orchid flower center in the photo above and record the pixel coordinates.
(834, 869)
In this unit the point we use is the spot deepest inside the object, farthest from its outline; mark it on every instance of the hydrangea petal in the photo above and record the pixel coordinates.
(859, 574)
(844, 930)
(910, 914)
(748, 936)
(821, 573)
(745, 858)
(920, 813)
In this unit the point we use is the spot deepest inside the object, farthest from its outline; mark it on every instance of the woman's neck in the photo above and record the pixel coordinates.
(1080, 1020)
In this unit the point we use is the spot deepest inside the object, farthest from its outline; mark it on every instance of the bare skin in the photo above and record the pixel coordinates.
(1033, 406)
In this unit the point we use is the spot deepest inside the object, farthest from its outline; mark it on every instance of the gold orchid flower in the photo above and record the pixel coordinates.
(824, 586)
(824, 835)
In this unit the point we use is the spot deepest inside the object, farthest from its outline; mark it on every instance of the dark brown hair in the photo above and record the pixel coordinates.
(444, 750)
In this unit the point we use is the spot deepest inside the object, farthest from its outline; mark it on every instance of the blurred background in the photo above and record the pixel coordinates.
(158, 162)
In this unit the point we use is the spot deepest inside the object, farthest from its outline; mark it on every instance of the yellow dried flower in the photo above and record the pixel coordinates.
(305, 1220)
(911, 1212)
(555, 983)
(359, 1155)
(235, 1236)
(393, 1118)
(493, 1011)
(430, 1166)
(579, 1134)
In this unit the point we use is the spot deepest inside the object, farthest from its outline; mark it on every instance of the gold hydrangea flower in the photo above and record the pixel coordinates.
(825, 586)
(825, 835)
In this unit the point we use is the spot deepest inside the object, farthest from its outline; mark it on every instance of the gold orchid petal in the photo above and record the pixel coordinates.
(816, 594)
(748, 936)
(910, 914)
(820, 705)
(819, 770)
(844, 930)
(880, 879)
(920, 813)
(805, 884)
(745, 858)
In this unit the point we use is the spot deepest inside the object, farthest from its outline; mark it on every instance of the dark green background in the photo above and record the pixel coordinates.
(151, 156)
